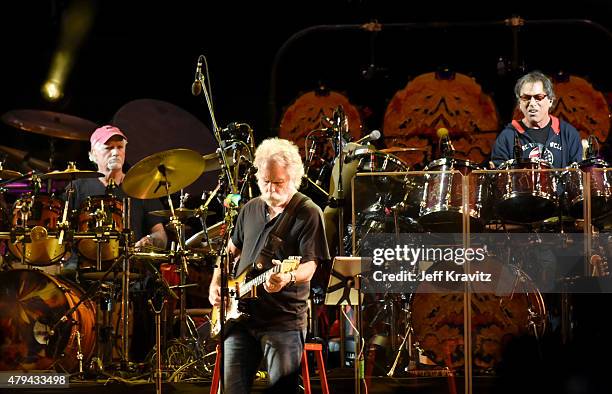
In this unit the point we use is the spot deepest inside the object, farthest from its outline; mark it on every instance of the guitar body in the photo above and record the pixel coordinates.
(242, 287)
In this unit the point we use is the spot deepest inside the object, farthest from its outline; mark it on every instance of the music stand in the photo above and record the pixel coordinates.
(344, 288)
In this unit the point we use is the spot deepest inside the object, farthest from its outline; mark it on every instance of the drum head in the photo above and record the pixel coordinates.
(32, 336)
(437, 319)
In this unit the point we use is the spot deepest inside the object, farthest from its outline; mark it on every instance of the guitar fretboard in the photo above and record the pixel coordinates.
(259, 279)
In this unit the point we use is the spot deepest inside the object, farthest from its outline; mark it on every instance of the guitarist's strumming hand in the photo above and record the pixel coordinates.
(277, 281)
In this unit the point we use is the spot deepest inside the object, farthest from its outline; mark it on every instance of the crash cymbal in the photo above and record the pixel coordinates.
(51, 124)
(179, 167)
(395, 149)
(181, 213)
(71, 173)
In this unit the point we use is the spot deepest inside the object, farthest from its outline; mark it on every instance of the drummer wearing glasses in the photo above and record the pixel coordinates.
(538, 134)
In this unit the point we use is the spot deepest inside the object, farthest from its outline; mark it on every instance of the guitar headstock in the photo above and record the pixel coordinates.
(290, 264)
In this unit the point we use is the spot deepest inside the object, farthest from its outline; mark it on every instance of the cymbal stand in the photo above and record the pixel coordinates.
(158, 342)
(64, 225)
(201, 213)
(125, 283)
(180, 251)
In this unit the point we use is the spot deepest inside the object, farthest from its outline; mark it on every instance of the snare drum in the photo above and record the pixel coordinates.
(100, 214)
(526, 196)
(32, 336)
(437, 317)
(601, 189)
(37, 215)
(442, 201)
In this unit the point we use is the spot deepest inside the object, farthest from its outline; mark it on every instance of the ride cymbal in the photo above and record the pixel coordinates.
(174, 168)
(51, 124)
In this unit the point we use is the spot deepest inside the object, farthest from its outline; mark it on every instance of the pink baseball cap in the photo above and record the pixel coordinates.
(104, 133)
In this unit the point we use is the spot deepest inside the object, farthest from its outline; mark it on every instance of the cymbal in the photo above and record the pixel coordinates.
(51, 124)
(9, 174)
(395, 149)
(71, 173)
(181, 213)
(146, 180)
(212, 161)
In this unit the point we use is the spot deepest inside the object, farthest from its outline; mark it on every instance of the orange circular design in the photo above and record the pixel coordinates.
(430, 101)
(309, 112)
(584, 107)
(581, 105)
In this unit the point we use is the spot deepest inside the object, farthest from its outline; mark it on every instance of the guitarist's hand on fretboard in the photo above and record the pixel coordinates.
(276, 282)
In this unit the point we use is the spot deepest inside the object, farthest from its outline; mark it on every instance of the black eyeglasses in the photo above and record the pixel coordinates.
(537, 97)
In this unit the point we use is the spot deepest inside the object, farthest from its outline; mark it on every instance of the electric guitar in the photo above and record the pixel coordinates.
(239, 288)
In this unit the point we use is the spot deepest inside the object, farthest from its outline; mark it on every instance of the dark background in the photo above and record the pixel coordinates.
(138, 49)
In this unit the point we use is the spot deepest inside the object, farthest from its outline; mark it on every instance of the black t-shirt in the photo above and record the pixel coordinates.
(538, 135)
(285, 310)
(141, 221)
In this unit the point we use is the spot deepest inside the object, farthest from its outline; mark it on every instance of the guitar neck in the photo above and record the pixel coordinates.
(259, 279)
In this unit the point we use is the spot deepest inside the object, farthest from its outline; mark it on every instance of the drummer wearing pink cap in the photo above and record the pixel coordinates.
(108, 146)
(107, 152)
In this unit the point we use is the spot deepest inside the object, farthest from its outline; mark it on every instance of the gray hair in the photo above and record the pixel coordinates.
(98, 145)
(284, 153)
(533, 77)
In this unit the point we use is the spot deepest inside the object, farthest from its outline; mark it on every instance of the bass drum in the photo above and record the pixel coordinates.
(437, 317)
(31, 305)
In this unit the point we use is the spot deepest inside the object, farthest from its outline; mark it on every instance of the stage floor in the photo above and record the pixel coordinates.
(341, 381)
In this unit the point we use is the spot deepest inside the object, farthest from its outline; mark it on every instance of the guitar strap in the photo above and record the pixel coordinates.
(281, 229)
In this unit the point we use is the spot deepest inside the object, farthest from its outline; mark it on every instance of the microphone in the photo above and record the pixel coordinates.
(590, 153)
(373, 136)
(338, 115)
(196, 86)
(518, 152)
(444, 144)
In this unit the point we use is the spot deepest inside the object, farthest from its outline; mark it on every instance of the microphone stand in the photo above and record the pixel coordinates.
(340, 205)
(225, 168)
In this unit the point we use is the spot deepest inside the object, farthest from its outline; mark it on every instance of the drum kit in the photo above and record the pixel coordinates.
(526, 193)
(49, 320)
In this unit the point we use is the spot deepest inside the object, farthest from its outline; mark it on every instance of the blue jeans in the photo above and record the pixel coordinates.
(244, 350)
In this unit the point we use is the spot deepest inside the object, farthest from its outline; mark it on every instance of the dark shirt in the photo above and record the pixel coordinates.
(286, 309)
(538, 135)
(561, 147)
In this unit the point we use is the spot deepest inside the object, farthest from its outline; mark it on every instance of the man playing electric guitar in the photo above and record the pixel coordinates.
(279, 223)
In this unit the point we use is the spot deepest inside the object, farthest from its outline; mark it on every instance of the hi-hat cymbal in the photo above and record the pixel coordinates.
(51, 124)
(178, 167)
(180, 213)
(395, 149)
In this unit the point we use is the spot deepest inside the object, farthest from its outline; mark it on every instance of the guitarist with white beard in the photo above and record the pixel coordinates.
(275, 327)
